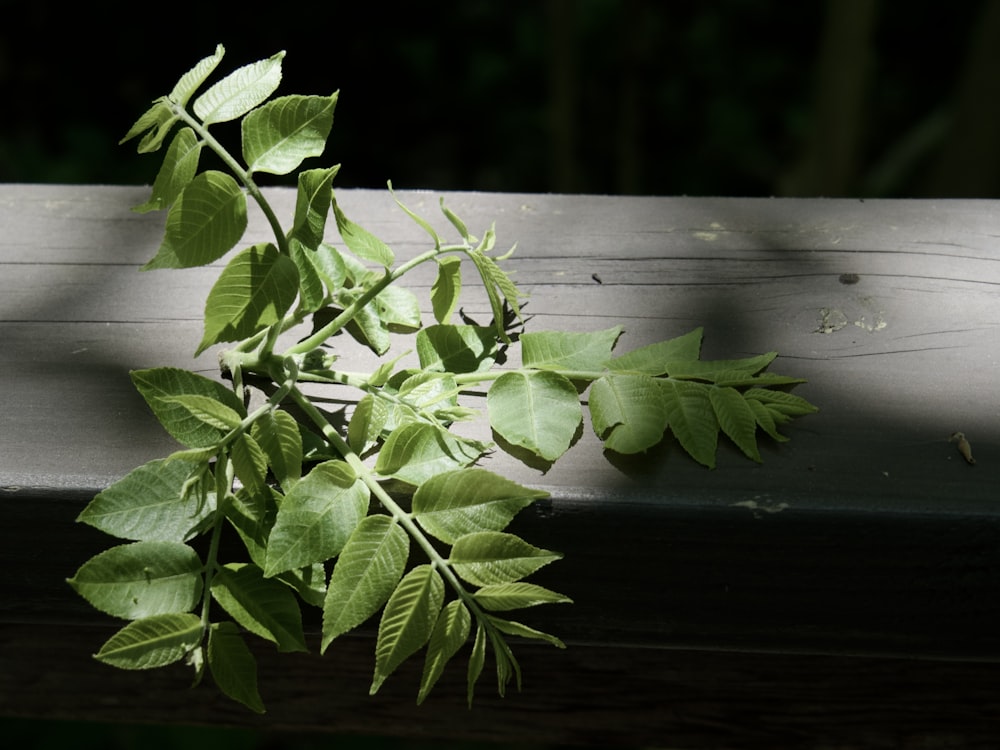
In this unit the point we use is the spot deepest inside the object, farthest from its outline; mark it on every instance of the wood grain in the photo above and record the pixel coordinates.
(865, 545)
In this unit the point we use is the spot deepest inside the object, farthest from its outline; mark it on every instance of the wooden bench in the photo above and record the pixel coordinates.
(844, 593)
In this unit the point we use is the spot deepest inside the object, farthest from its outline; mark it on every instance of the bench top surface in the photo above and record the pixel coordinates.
(888, 308)
(866, 535)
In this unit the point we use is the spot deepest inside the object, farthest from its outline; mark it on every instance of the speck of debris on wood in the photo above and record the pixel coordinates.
(596, 278)
(849, 278)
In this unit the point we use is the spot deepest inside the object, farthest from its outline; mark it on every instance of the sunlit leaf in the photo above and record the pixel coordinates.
(190, 82)
(539, 411)
(281, 134)
(179, 167)
(447, 288)
(361, 242)
(456, 348)
(138, 580)
(450, 632)
(417, 451)
(489, 557)
(263, 606)
(240, 91)
(152, 642)
(653, 359)
(254, 291)
(407, 621)
(204, 223)
(500, 597)
(559, 350)
(457, 503)
(367, 571)
(627, 412)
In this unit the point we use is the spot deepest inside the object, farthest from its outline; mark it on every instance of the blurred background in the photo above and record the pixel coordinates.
(869, 98)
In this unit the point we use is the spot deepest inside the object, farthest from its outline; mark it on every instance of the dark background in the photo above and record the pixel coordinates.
(891, 98)
(872, 98)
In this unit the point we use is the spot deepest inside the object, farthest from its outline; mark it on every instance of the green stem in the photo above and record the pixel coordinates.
(401, 516)
(237, 169)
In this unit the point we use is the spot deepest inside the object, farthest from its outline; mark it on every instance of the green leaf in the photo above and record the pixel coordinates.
(156, 122)
(368, 569)
(263, 606)
(204, 223)
(653, 359)
(254, 291)
(476, 661)
(417, 451)
(456, 348)
(417, 218)
(160, 386)
(152, 642)
(627, 412)
(278, 434)
(450, 632)
(456, 222)
(539, 411)
(523, 631)
(206, 410)
(780, 402)
(149, 504)
(192, 80)
(316, 517)
(179, 167)
(736, 419)
(712, 370)
(489, 557)
(447, 288)
(138, 580)
(691, 419)
(312, 205)
(367, 422)
(499, 286)
(233, 666)
(558, 350)
(312, 294)
(501, 597)
(407, 621)
(398, 309)
(250, 465)
(765, 420)
(451, 505)
(507, 666)
(240, 91)
(281, 134)
(361, 242)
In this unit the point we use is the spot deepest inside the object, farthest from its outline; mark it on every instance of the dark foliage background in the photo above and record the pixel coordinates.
(880, 98)
(730, 97)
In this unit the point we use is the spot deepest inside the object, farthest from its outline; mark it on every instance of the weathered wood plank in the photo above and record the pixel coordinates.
(866, 535)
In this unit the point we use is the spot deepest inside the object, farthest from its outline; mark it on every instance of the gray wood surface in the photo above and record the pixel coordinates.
(865, 538)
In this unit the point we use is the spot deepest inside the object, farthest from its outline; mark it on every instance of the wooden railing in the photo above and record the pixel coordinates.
(845, 591)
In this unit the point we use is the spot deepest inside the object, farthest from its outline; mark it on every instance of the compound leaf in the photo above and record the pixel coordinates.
(501, 597)
(240, 91)
(160, 387)
(456, 348)
(407, 621)
(489, 557)
(736, 419)
(691, 418)
(627, 412)
(316, 517)
(361, 242)
(446, 288)
(254, 291)
(456, 503)
(653, 359)
(281, 134)
(138, 580)
(149, 504)
(204, 223)
(179, 167)
(367, 571)
(152, 641)
(190, 82)
(450, 632)
(539, 411)
(559, 350)
(278, 435)
(233, 666)
(263, 606)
